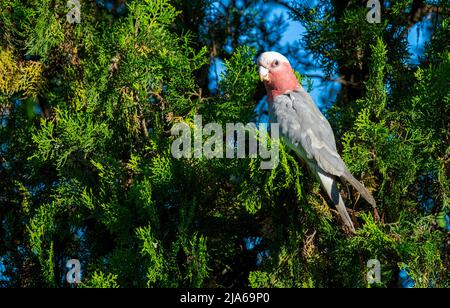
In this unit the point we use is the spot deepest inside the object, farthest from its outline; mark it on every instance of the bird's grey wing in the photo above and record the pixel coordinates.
(302, 123)
(311, 136)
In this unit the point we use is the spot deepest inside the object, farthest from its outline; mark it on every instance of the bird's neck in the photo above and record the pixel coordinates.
(273, 93)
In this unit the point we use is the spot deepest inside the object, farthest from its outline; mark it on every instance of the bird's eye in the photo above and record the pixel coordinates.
(275, 63)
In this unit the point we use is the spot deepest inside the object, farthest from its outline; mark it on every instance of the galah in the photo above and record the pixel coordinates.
(305, 130)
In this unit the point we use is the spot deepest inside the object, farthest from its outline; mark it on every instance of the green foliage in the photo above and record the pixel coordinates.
(40, 230)
(86, 170)
(18, 77)
(237, 88)
(46, 28)
(156, 262)
(421, 249)
(101, 281)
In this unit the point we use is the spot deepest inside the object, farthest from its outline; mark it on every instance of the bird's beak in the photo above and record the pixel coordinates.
(263, 74)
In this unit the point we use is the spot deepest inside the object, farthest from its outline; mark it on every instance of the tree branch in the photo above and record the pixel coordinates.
(340, 80)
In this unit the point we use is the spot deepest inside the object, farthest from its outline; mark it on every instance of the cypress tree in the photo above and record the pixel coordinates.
(86, 170)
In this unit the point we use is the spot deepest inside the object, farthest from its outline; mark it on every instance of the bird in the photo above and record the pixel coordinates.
(305, 130)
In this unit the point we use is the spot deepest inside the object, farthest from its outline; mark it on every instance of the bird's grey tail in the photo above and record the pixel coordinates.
(340, 206)
(360, 188)
(329, 184)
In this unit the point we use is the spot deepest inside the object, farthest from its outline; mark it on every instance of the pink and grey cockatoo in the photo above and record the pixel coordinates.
(305, 130)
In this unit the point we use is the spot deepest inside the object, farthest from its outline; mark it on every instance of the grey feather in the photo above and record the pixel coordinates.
(330, 185)
(305, 127)
(310, 135)
(360, 188)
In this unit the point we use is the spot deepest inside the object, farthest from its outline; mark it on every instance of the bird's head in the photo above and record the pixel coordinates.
(277, 74)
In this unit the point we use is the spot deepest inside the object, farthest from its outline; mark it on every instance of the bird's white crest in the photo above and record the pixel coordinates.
(266, 58)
